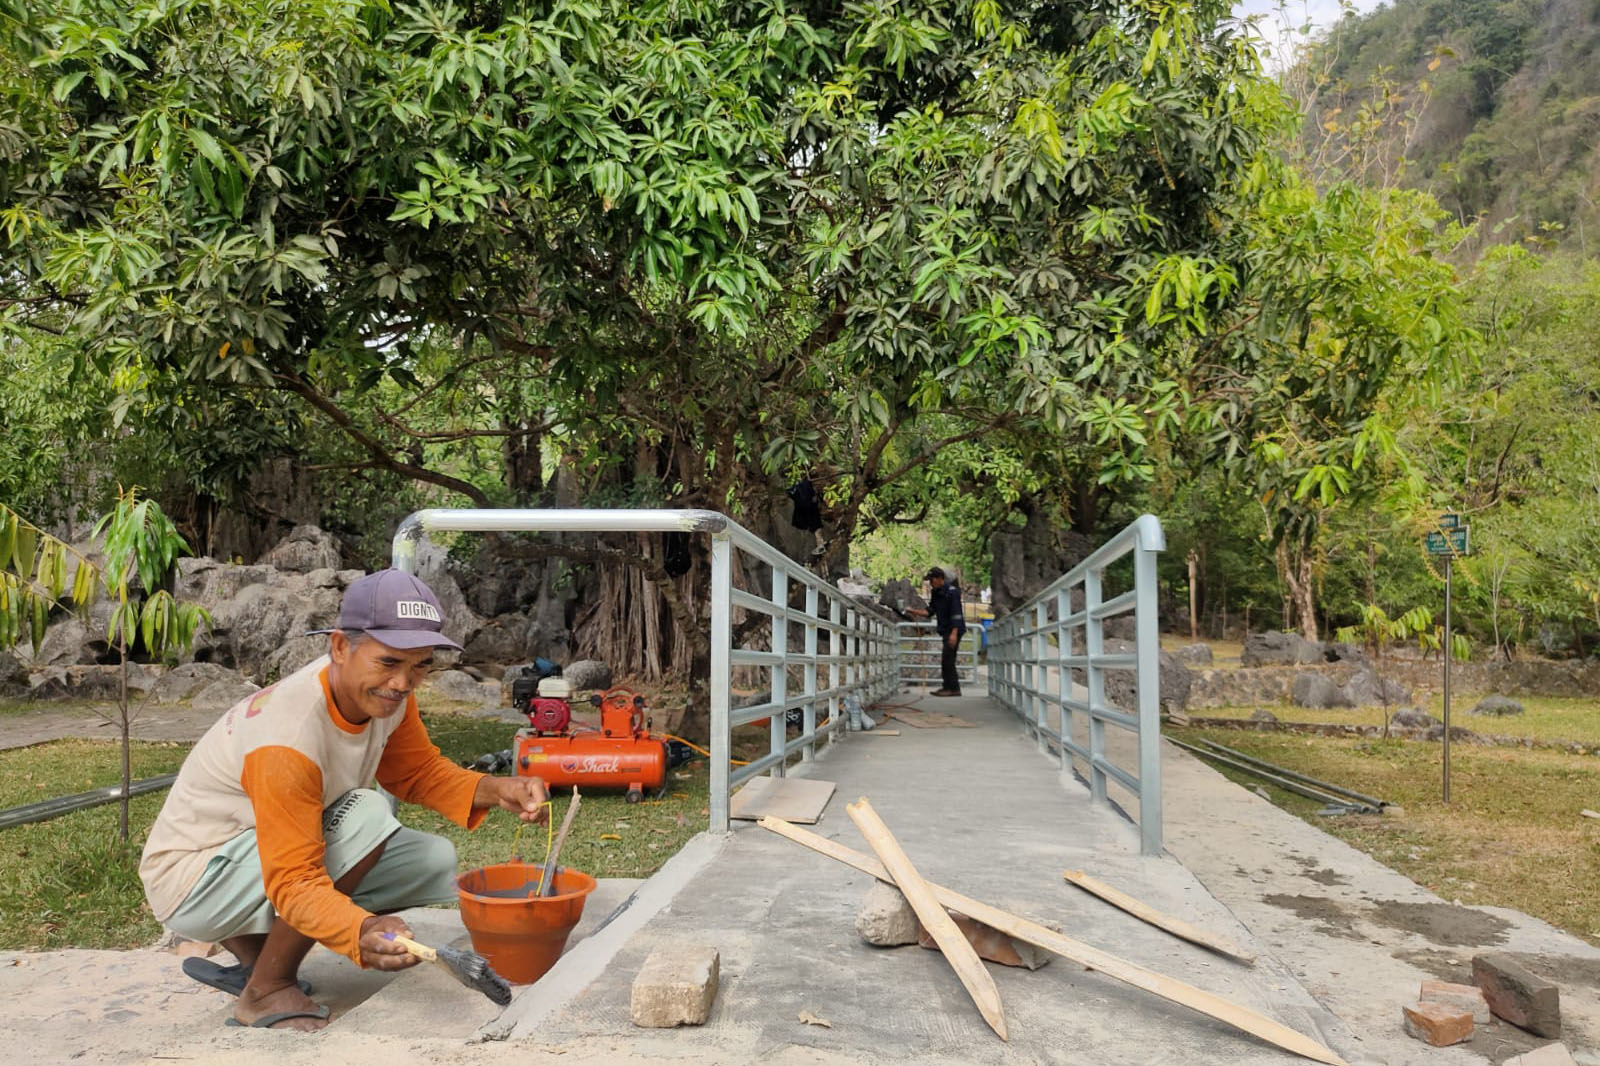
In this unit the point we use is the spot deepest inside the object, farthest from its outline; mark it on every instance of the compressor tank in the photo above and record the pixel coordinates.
(591, 760)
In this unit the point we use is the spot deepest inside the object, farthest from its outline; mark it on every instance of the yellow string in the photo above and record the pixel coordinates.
(549, 835)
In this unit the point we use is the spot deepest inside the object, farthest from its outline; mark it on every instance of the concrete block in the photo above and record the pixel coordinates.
(1549, 1055)
(1436, 1024)
(990, 943)
(1517, 995)
(675, 986)
(885, 919)
(1462, 997)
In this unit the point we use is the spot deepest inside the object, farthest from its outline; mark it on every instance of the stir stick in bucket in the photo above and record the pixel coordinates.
(547, 877)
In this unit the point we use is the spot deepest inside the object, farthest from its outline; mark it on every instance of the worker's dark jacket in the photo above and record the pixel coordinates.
(945, 606)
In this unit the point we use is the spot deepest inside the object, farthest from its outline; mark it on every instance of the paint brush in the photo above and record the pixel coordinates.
(547, 876)
(468, 967)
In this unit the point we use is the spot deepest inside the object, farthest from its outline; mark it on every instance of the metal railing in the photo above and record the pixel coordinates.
(859, 658)
(1036, 651)
(919, 644)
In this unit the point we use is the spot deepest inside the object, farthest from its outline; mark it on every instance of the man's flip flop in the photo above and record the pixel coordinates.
(267, 1021)
(229, 979)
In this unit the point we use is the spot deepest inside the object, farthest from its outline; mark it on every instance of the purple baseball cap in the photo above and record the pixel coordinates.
(395, 608)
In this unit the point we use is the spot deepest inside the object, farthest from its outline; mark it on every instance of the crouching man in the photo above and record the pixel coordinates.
(271, 839)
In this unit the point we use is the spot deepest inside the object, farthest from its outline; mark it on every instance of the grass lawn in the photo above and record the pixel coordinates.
(1548, 718)
(68, 882)
(1512, 836)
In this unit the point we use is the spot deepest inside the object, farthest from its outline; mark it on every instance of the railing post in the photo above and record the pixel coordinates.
(1148, 644)
(1041, 615)
(1063, 675)
(779, 677)
(721, 674)
(835, 671)
(808, 722)
(1093, 649)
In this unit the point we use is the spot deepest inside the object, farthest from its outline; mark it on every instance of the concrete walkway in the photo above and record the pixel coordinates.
(1343, 942)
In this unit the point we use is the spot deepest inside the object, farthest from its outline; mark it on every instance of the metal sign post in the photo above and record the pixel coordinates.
(1452, 539)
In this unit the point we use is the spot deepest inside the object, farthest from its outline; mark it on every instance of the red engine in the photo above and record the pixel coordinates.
(619, 753)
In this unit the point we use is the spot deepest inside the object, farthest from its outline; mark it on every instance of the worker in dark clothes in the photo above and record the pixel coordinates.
(944, 604)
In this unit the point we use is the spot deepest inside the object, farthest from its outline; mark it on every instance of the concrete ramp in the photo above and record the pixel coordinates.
(979, 810)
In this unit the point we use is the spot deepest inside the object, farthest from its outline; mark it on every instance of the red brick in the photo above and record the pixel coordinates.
(1436, 1024)
(1461, 997)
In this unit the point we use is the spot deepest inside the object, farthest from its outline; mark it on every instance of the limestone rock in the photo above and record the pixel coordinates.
(305, 549)
(1261, 714)
(104, 683)
(1194, 655)
(1517, 995)
(65, 643)
(1365, 690)
(185, 680)
(1549, 1055)
(292, 655)
(886, 919)
(1275, 649)
(1497, 705)
(501, 640)
(1316, 691)
(457, 686)
(49, 684)
(586, 674)
(222, 694)
(676, 986)
(1411, 718)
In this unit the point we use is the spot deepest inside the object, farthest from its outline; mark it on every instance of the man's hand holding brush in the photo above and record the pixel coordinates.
(525, 797)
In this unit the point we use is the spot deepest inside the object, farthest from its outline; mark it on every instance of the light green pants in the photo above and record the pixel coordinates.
(415, 869)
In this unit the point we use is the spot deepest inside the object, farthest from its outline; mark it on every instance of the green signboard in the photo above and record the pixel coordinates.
(1450, 542)
(1450, 520)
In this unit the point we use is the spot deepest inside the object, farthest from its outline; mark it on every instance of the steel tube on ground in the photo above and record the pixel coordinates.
(1282, 782)
(1286, 772)
(44, 810)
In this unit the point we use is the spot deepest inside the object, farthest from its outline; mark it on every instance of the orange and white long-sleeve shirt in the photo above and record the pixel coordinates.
(273, 762)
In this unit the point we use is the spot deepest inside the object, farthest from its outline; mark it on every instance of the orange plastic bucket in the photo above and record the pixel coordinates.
(521, 936)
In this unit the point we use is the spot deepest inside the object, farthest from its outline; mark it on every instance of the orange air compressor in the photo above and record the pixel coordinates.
(618, 753)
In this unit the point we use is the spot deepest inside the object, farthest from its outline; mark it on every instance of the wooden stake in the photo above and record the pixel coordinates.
(1590, 814)
(1176, 926)
(547, 875)
(960, 954)
(1214, 1006)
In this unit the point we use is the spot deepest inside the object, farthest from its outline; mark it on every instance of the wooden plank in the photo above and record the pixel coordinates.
(881, 733)
(1144, 912)
(957, 951)
(794, 799)
(1214, 1006)
(1590, 814)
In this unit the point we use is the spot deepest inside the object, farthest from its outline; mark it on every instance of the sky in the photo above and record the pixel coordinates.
(1296, 13)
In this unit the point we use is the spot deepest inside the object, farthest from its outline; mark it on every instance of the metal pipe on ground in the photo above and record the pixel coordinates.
(54, 808)
(1282, 782)
(1326, 785)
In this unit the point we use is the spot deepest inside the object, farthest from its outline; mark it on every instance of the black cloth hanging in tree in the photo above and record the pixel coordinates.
(807, 505)
(675, 559)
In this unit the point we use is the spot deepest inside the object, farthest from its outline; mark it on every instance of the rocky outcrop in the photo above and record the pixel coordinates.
(1366, 689)
(305, 549)
(1317, 691)
(1497, 705)
(1122, 687)
(1194, 655)
(1281, 649)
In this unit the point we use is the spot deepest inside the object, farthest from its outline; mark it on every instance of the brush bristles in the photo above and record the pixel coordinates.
(473, 970)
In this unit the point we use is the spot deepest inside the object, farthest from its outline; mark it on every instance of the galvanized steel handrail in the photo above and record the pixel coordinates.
(1034, 650)
(919, 655)
(861, 656)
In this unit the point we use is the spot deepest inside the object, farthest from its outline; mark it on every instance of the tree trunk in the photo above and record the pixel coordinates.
(1294, 566)
(1194, 596)
(123, 724)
